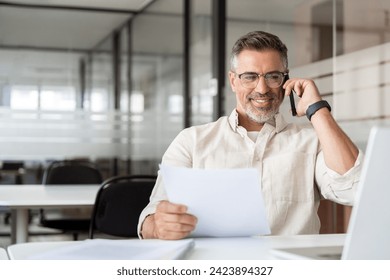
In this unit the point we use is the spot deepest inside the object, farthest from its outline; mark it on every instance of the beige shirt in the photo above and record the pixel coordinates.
(293, 173)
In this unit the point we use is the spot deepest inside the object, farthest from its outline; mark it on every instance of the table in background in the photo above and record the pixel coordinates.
(249, 248)
(21, 198)
(3, 254)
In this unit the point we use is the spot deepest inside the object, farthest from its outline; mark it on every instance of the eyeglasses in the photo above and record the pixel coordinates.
(272, 79)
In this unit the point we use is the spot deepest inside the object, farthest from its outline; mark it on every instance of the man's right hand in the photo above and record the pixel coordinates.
(171, 221)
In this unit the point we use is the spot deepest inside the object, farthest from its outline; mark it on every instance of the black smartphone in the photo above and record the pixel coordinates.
(292, 101)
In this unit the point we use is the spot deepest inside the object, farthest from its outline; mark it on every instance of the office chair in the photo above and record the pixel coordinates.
(17, 170)
(119, 203)
(69, 173)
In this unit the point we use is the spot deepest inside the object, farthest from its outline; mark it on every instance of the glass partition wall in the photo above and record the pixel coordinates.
(156, 99)
(114, 96)
(362, 66)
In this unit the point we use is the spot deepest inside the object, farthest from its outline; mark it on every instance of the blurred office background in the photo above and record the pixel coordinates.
(115, 81)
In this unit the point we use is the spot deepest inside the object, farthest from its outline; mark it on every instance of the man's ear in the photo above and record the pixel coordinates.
(232, 80)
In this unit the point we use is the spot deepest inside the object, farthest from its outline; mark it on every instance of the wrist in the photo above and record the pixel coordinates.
(313, 108)
(147, 228)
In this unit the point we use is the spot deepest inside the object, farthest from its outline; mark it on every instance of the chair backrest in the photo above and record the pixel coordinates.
(119, 203)
(72, 172)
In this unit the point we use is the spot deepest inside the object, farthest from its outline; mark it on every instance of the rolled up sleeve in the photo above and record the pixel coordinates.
(336, 187)
(176, 155)
(158, 194)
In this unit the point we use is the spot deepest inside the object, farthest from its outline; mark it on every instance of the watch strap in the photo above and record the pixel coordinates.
(313, 108)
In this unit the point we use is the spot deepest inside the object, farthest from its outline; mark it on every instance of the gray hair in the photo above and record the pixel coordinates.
(259, 41)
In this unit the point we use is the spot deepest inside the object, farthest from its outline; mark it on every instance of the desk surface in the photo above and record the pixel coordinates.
(250, 248)
(38, 196)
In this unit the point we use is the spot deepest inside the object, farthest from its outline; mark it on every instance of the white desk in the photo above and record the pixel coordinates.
(205, 248)
(3, 254)
(20, 198)
(257, 248)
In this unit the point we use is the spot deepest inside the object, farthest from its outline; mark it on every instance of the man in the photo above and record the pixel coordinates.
(298, 164)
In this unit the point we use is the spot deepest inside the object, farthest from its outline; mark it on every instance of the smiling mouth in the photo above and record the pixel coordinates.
(261, 101)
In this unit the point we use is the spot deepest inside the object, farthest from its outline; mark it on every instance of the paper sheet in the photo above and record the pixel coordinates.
(133, 249)
(227, 202)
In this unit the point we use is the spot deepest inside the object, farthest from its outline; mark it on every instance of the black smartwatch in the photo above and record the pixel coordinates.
(313, 108)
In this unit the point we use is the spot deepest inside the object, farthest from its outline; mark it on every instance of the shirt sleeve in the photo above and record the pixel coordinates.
(336, 187)
(177, 154)
(158, 194)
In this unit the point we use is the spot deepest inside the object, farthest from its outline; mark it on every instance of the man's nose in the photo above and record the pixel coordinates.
(262, 86)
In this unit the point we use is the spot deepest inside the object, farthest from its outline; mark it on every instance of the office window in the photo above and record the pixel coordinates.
(175, 104)
(137, 103)
(58, 98)
(99, 92)
(99, 100)
(24, 97)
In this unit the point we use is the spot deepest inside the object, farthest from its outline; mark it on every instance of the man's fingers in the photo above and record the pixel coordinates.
(174, 226)
(169, 207)
(176, 218)
(166, 226)
(172, 221)
(165, 234)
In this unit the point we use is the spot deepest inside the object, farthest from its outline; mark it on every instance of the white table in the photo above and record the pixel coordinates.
(3, 254)
(257, 248)
(251, 248)
(21, 198)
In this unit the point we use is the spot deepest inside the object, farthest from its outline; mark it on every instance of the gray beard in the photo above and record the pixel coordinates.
(261, 115)
(262, 118)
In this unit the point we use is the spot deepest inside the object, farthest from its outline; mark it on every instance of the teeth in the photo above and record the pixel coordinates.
(261, 100)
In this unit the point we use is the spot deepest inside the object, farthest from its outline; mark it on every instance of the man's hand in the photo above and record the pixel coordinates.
(306, 90)
(171, 221)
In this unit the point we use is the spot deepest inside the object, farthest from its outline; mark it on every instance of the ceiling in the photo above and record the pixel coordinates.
(135, 5)
(45, 39)
(71, 24)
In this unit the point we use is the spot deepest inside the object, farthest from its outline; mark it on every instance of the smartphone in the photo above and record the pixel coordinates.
(292, 101)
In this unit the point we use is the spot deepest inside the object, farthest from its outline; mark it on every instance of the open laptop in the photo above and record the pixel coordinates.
(368, 234)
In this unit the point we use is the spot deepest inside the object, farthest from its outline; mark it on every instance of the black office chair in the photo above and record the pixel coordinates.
(17, 170)
(69, 173)
(119, 203)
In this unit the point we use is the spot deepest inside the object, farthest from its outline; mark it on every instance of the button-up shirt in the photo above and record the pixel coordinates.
(294, 176)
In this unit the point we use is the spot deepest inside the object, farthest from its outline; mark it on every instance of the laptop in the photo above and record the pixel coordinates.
(368, 234)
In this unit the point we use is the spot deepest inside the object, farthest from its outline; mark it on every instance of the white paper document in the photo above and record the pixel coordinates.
(227, 202)
(133, 249)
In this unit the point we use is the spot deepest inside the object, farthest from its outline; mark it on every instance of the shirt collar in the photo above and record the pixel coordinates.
(277, 122)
